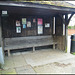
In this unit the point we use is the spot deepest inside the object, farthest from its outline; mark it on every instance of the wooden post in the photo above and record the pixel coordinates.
(8, 52)
(66, 31)
(33, 48)
(54, 46)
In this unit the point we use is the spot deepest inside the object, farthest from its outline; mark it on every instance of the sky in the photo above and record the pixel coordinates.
(72, 2)
(72, 22)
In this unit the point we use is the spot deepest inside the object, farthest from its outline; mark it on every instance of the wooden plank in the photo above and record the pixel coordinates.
(16, 43)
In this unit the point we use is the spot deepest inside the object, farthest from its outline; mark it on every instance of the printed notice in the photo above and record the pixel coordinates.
(18, 23)
(28, 24)
(40, 29)
(18, 29)
(47, 24)
(23, 20)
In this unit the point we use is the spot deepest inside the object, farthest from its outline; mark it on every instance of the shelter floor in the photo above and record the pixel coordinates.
(46, 61)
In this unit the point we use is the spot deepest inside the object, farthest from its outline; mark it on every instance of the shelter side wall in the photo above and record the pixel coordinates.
(58, 36)
(60, 42)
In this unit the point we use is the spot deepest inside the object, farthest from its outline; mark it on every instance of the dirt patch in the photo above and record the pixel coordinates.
(53, 68)
(61, 64)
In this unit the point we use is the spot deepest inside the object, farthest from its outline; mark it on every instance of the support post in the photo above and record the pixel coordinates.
(54, 46)
(8, 52)
(66, 36)
(1, 45)
(33, 48)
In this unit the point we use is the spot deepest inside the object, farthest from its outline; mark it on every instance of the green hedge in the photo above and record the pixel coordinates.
(71, 27)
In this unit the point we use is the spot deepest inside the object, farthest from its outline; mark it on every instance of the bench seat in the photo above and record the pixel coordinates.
(26, 42)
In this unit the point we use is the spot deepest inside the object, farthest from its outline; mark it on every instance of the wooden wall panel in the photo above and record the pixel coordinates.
(9, 26)
(58, 26)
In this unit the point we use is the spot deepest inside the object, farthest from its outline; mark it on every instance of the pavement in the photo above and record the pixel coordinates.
(46, 61)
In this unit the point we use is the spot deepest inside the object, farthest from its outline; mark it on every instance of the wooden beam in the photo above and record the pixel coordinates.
(66, 20)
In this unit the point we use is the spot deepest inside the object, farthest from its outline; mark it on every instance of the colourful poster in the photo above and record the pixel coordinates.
(40, 29)
(23, 20)
(34, 20)
(24, 25)
(18, 23)
(18, 29)
(40, 21)
(28, 24)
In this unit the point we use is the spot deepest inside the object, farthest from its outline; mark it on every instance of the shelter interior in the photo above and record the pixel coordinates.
(24, 27)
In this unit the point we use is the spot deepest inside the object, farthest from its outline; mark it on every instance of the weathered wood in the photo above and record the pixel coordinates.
(64, 20)
(8, 52)
(33, 48)
(54, 46)
(25, 42)
(58, 26)
(66, 36)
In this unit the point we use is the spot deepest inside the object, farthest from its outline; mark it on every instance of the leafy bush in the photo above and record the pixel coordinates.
(69, 27)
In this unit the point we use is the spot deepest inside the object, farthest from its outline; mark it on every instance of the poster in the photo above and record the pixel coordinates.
(24, 25)
(47, 24)
(18, 29)
(34, 20)
(28, 24)
(4, 12)
(40, 29)
(23, 20)
(18, 23)
(40, 21)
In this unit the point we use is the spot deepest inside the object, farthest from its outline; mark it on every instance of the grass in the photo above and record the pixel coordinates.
(73, 53)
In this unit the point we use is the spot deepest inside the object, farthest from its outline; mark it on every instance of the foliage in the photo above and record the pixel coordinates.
(71, 27)
(74, 53)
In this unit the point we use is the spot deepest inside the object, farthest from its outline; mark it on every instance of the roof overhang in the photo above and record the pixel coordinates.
(29, 8)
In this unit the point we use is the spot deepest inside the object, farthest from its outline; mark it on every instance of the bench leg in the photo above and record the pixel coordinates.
(8, 52)
(53, 46)
(33, 49)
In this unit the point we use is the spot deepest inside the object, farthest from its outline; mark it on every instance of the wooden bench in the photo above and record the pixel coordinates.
(25, 42)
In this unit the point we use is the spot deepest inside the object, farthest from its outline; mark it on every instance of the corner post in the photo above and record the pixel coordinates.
(1, 44)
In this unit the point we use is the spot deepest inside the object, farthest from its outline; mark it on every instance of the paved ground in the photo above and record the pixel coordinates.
(71, 31)
(45, 61)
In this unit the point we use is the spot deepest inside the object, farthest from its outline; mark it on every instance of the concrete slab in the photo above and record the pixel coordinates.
(53, 68)
(73, 70)
(25, 70)
(46, 56)
(9, 71)
(8, 63)
(18, 61)
(41, 61)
